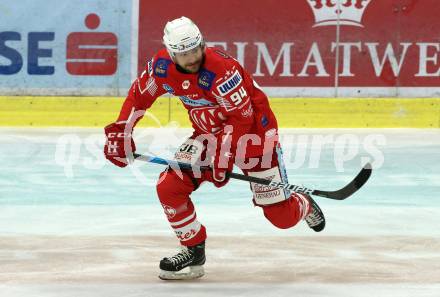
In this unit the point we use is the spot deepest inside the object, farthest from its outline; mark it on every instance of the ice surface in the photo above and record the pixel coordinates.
(71, 224)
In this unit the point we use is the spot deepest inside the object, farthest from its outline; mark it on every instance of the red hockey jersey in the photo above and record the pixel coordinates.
(221, 93)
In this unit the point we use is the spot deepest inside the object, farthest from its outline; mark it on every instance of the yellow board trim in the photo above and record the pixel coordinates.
(290, 112)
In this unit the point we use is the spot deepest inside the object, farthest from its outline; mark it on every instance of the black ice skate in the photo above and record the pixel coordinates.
(315, 219)
(187, 264)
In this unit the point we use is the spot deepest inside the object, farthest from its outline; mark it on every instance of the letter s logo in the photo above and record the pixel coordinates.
(92, 53)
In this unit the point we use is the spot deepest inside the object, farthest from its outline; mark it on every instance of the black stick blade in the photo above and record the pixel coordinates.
(349, 189)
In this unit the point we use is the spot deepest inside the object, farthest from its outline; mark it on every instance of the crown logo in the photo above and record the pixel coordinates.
(343, 12)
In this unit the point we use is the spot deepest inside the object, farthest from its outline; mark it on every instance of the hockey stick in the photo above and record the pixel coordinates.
(340, 194)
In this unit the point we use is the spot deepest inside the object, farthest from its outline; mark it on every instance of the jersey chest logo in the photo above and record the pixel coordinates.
(207, 119)
(230, 84)
(205, 79)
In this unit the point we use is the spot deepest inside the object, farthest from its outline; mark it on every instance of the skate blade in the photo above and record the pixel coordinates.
(192, 272)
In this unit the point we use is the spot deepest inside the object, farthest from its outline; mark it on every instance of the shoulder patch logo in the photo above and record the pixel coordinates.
(161, 67)
(230, 84)
(205, 79)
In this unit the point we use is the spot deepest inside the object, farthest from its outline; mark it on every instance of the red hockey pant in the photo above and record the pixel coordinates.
(174, 193)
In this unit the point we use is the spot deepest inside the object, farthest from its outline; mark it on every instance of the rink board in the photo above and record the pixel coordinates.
(293, 112)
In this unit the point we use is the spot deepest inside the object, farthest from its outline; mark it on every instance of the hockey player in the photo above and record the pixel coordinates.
(232, 123)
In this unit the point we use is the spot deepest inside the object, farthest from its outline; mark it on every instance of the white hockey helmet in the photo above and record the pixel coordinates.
(181, 35)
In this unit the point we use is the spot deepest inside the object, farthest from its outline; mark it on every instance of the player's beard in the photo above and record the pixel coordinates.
(194, 67)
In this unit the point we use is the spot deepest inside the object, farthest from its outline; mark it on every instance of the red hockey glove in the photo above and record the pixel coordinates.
(114, 149)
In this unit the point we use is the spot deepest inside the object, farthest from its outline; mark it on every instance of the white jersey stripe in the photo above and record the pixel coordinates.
(188, 218)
